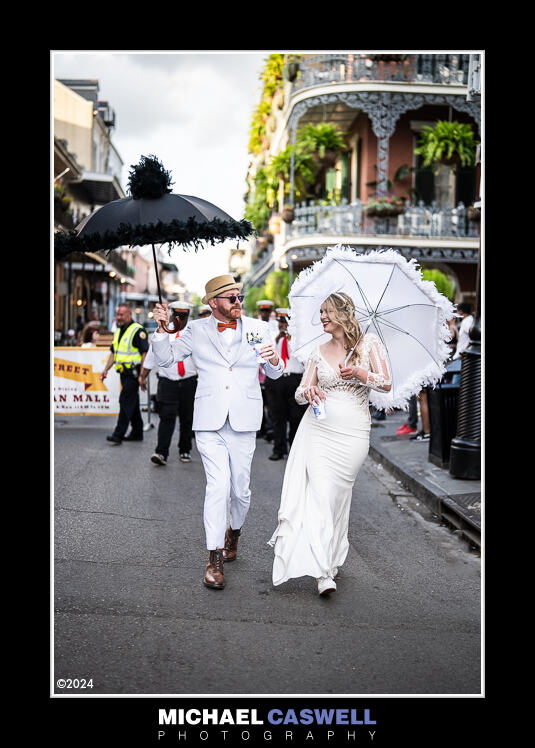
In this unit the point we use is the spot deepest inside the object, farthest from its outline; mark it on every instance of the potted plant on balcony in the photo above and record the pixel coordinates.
(305, 170)
(385, 207)
(324, 141)
(449, 144)
(288, 213)
(473, 214)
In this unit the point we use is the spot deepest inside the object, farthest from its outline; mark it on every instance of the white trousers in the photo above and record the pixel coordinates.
(226, 456)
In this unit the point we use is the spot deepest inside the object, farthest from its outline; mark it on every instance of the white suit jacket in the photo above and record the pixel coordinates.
(228, 382)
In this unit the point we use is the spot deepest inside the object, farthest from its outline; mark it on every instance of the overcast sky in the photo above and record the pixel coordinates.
(193, 111)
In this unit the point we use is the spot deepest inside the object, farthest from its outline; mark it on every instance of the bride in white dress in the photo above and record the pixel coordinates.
(326, 455)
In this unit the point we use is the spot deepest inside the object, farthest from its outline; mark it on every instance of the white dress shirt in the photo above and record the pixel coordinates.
(464, 335)
(293, 366)
(170, 372)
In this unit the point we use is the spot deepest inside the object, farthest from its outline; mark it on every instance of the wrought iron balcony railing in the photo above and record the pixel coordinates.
(444, 69)
(415, 221)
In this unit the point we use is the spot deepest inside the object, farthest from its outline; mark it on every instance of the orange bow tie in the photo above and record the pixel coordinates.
(222, 326)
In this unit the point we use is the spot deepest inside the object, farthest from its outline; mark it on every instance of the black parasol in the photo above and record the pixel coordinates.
(151, 215)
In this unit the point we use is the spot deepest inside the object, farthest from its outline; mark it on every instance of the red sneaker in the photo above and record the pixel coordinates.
(406, 429)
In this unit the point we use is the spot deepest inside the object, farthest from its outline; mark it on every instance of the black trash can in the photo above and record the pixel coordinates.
(443, 403)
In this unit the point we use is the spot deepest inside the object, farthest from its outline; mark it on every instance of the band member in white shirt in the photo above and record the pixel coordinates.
(176, 393)
(464, 309)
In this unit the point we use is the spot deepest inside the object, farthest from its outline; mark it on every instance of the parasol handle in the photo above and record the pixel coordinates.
(165, 327)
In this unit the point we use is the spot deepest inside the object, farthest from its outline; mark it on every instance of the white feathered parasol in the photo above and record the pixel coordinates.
(392, 301)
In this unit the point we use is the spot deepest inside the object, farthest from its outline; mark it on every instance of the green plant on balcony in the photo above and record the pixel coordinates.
(258, 210)
(384, 207)
(324, 141)
(271, 76)
(305, 170)
(449, 144)
(272, 73)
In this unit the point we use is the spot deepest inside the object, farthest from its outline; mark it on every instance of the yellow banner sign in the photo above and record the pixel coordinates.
(78, 389)
(79, 372)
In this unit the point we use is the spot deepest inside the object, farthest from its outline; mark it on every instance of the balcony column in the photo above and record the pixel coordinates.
(382, 165)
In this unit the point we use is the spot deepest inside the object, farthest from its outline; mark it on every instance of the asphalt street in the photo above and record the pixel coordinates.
(131, 613)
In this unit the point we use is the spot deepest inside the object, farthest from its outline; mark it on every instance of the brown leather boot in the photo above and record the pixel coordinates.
(214, 571)
(230, 551)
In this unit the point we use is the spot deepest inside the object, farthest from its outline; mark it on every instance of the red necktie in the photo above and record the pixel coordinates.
(284, 351)
(222, 326)
(180, 364)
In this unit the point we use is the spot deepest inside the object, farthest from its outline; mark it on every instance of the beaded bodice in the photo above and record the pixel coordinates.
(371, 356)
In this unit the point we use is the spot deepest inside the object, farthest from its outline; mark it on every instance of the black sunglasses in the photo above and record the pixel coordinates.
(232, 298)
(180, 315)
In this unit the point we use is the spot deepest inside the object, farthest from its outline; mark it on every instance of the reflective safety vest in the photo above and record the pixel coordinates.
(126, 354)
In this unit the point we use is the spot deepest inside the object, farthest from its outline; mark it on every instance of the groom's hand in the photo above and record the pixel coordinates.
(161, 314)
(269, 353)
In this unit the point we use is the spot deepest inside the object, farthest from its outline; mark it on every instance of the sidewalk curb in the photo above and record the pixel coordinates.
(439, 501)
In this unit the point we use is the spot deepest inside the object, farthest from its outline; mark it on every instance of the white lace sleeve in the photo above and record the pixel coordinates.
(309, 378)
(379, 376)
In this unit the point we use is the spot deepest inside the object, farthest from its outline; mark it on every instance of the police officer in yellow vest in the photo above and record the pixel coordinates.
(128, 351)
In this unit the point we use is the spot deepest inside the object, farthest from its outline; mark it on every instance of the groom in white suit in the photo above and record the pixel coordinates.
(227, 410)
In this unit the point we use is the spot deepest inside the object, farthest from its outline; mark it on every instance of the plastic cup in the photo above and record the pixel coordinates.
(256, 347)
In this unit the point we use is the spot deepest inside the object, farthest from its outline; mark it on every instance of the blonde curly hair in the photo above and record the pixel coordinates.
(343, 313)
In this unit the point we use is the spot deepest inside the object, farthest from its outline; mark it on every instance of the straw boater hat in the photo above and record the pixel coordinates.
(282, 312)
(218, 285)
(204, 308)
(265, 304)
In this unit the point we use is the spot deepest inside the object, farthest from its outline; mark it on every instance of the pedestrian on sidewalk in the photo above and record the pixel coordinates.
(127, 353)
(175, 395)
(286, 413)
(410, 427)
(228, 408)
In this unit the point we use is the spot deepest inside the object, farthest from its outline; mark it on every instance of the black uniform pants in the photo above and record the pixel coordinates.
(129, 411)
(175, 399)
(284, 410)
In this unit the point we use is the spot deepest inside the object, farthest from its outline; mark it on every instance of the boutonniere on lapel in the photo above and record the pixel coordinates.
(255, 340)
